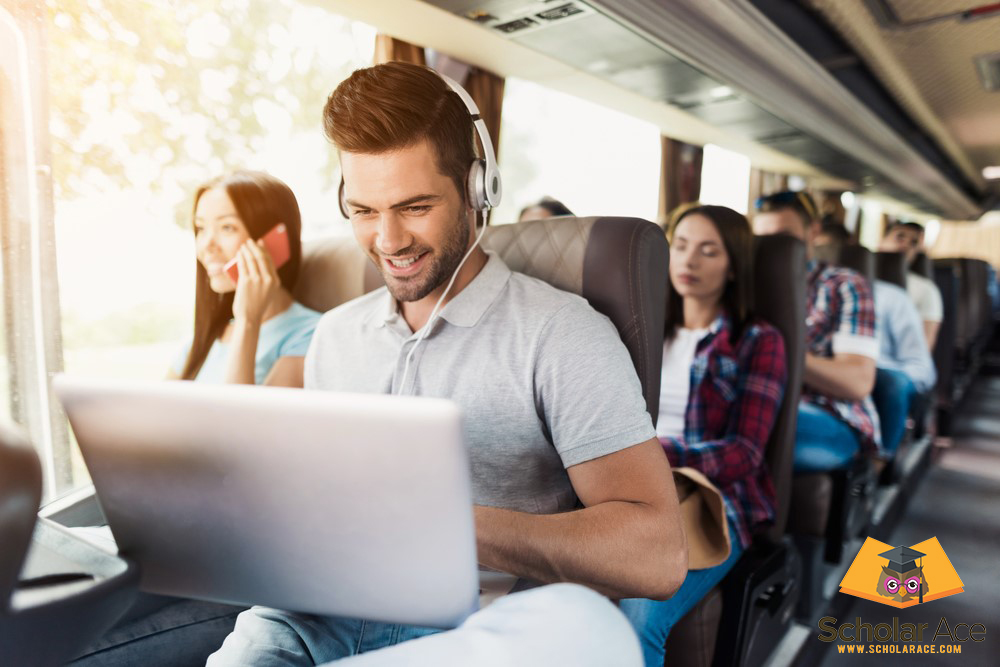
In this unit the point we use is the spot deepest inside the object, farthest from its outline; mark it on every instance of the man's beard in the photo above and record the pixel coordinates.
(439, 269)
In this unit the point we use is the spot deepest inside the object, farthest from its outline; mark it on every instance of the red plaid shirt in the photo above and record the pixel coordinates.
(735, 395)
(839, 302)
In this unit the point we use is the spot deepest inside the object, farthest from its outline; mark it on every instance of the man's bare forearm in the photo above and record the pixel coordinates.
(621, 549)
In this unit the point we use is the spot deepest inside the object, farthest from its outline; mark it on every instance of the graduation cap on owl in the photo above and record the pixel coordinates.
(903, 576)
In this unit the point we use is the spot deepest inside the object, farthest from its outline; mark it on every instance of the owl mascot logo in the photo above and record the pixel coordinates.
(902, 579)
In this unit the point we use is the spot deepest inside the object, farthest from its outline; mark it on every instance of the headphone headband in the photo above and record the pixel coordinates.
(484, 187)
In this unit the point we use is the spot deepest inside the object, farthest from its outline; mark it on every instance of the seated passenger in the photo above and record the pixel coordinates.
(908, 238)
(569, 481)
(837, 418)
(722, 381)
(546, 207)
(251, 331)
(904, 367)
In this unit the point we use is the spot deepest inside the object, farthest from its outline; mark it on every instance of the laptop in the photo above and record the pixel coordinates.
(339, 504)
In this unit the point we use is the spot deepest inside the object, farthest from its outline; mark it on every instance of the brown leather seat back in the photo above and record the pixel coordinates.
(780, 299)
(20, 495)
(860, 259)
(891, 267)
(618, 264)
(923, 266)
(334, 271)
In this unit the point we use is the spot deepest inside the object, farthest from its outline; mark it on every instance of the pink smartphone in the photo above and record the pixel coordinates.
(276, 245)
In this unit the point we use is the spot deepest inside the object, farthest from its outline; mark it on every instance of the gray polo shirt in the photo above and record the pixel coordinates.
(543, 380)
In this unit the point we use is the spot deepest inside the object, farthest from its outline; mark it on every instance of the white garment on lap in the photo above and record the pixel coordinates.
(675, 381)
(560, 624)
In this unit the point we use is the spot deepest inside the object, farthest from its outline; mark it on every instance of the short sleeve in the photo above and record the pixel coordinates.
(296, 343)
(855, 329)
(586, 388)
(933, 307)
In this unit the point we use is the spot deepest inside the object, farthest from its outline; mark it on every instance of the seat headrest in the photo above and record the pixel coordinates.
(618, 264)
(860, 259)
(334, 271)
(891, 268)
(780, 299)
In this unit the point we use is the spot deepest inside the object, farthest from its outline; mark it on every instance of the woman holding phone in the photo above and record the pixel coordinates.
(247, 327)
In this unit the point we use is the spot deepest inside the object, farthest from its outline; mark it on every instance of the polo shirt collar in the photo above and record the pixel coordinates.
(466, 308)
(469, 305)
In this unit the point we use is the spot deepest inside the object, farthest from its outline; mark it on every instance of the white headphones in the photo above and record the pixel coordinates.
(483, 185)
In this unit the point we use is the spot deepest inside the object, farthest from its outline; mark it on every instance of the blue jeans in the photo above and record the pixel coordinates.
(822, 442)
(653, 619)
(185, 632)
(893, 393)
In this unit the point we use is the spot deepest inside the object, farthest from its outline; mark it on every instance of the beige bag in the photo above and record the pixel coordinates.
(704, 515)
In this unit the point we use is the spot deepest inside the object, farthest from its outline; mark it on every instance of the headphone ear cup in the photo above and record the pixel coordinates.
(476, 185)
(342, 200)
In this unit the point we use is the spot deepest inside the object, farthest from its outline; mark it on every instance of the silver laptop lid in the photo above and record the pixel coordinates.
(341, 504)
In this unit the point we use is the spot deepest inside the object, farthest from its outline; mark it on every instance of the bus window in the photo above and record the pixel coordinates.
(725, 178)
(145, 102)
(593, 159)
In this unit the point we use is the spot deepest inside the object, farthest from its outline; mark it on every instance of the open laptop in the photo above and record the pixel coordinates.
(352, 505)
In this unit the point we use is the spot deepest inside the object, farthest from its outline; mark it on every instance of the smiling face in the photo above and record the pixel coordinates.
(219, 233)
(699, 264)
(408, 217)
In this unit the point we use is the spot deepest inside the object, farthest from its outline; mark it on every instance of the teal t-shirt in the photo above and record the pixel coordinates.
(286, 335)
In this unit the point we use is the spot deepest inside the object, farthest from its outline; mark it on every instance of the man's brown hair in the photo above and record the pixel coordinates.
(396, 105)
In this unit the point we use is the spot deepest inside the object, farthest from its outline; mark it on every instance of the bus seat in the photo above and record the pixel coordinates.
(58, 592)
(756, 600)
(334, 270)
(923, 266)
(828, 508)
(618, 264)
(860, 259)
(891, 267)
(946, 279)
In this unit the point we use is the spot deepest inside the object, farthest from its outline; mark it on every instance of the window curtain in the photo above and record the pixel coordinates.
(967, 239)
(680, 176)
(389, 48)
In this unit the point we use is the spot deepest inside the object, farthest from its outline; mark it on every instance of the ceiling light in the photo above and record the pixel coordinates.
(990, 173)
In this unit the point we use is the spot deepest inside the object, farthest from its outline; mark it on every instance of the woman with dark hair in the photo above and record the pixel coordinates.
(546, 207)
(250, 331)
(723, 378)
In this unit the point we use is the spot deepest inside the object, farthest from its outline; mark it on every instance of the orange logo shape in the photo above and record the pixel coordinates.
(902, 576)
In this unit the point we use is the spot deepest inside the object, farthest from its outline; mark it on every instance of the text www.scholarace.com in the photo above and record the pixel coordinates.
(894, 649)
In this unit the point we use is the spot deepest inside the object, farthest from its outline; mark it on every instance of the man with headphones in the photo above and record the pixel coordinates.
(569, 481)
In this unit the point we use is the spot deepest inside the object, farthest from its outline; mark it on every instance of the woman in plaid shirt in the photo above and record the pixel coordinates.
(723, 380)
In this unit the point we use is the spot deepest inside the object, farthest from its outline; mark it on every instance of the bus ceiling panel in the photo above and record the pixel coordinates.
(738, 45)
(667, 81)
(742, 117)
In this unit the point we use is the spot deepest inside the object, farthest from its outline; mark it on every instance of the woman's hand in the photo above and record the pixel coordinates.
(257, 286)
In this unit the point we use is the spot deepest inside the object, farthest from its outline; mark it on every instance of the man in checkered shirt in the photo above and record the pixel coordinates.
(837, 418)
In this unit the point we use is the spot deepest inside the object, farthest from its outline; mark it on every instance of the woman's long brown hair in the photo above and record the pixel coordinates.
(262, 201)
(737, 238)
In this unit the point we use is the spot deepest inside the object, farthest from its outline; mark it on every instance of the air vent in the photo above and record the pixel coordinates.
(516, 25)
(988, 66)
(528, 19)
(560, 12)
